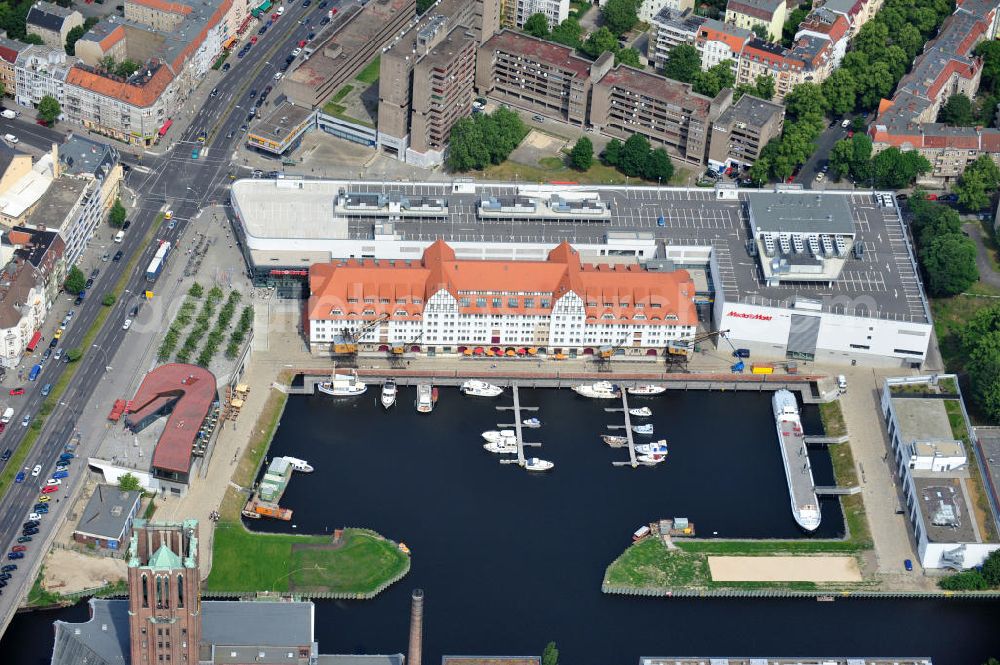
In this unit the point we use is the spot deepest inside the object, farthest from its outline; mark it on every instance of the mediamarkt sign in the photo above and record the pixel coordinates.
(748, 315)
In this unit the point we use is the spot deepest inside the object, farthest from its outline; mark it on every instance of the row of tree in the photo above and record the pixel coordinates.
(635, 158)
(805, 107)
(890, 169)
(986, 577)
(570, 33)
(483, 139)
(947, 256)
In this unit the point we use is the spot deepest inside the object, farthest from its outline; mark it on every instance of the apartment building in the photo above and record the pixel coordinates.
(760, 58)
(770, 14)
(40, 71)
(670, 28)
(32, 273)
(514, 13)
(427, 76)
(359, 34)
(52, 22)
(560, 305)
(830, 32)
(23, 184)
(717, 42)
(539, 76)
(947, 66)
(628, 101)
(857, 12)
(741, 132)
(9, 51)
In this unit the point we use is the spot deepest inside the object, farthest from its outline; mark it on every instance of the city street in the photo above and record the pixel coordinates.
(171, 180)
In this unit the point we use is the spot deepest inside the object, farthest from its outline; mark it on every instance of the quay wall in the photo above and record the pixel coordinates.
(665, 592)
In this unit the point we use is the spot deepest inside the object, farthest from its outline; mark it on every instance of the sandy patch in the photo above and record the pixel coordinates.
(542, 141)
(784, 569)
(67, 571)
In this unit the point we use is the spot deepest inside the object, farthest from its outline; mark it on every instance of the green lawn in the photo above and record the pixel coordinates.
(245, 561)
(554, 168)
(343, 92)
(650, 564)
(950, 314)
(370, 73)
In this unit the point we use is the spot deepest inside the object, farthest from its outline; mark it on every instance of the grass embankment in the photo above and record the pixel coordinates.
(649, 564)
(951, 315)
(243, 561)
(980, 500)
(556, 168)
(55, 395)
(369, 74)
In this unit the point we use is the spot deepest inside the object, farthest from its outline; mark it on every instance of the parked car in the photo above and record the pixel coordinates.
(118, 256)
(30, 523)
(46, 389)
(296, 51)
(7, 453)
(25, 421)
(43, 499)
(127, 324)
(18, 548)
(37, 470)
(15, 555)
(52, 481)
(49, 489)
(225, 67)
(60, 474)
(908, 565)
(17, 391)
(9, 567)
(27, 533)
(19, 478)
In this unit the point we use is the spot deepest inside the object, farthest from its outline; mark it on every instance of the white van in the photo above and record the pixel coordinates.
(7, 415)
(7, 113)
(842, 383)
(119, 236)
(10, 138)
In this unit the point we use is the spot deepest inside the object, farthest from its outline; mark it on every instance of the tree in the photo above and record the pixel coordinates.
(424, 5)
(792, 25)
(602, 40)
(977, 183)
(74, 354)
(841, 158)
(805, 101)
(550, 656)
(568, 33)
(683, 63)
(620, 15)
(991, 569)
(628, 56)
(196, 290)
(127, 67)
(34, 39)
(484, 139)
(894, 169)
(950, 263)
(116, 217)
(129, 483)
(713, 80)
(537, 25)
(49, 109)
(72, 37)
(658, 166)
(633, 157)
(582, 155)
(109, 299)
(76, 281)
(764, 87)
(957, 111)
(989, 51)
(967, 580)
(840, 92)
(984, 373)
(107, 63)
(760, 30)
(612, 154)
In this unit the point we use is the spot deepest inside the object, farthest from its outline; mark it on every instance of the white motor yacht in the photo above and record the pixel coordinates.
(641, 412)
(648, 389)
(651, 459)
(388, 397)
(425, 398)
(642, 429)
(531, 422)
(536, 464)
(342, 385)
(654, 448)
(477, 388)
(599, 390)
(614, 440)
(494, 435)
(299, 464)
(501, 447)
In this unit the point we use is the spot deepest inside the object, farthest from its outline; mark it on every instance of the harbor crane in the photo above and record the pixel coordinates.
(346, 343)
(397, 350)
(606, 353)
(679, 352)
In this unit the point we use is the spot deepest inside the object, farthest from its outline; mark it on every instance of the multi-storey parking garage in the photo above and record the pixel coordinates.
(836, 282)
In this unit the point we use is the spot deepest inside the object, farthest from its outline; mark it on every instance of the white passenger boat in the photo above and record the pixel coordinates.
(477, 388)
(795, 457)
(641, 412)
(342, 385)
(531, 422)
(599, 390)
(388, 397)
(654, 448)
(494, 435)
(501, 447)
(651, 459)
(425, 398)
(299, 464)
(642, 429)
(648, 389)
(536, 464)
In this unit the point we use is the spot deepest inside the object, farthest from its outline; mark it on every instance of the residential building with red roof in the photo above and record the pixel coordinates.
(447, 305)
(717, 42)
(947, 66)
(669, 113)
(187, 396)
(760, 58)
(9, 51)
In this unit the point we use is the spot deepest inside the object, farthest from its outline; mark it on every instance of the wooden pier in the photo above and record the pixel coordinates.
(518, 429)
(629, 434)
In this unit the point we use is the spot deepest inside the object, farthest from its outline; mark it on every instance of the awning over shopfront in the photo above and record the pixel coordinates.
(35, 339)
(165, 127)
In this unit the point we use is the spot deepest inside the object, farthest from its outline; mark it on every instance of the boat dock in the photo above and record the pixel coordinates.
(518, 429)
(264, 501)
(629, 434)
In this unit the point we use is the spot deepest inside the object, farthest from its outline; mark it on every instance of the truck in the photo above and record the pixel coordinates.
(35, 371)
(8, 413)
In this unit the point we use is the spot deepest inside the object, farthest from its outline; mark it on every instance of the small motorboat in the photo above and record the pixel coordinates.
(642, 429)
(655, 448)
(501, 447)
(648, 389)
(388, 397)
(641, 412)
(494, 435)
(599, 390)
(651, 459)
(614, 441)
(403, 548)
(531, 422)
(299, 464)
(477, 388)
(536, 464)
(342, 385)
(425, 398)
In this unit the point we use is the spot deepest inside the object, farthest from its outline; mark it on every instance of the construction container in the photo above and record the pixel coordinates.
(758, 368)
